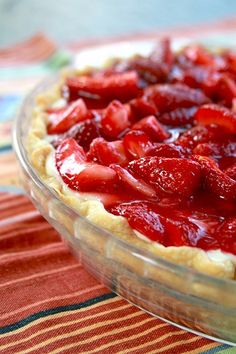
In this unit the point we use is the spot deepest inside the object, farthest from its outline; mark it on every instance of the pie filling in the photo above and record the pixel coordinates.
(154, 138)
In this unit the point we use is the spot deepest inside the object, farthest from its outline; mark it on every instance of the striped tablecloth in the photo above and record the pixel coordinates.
(49, 303)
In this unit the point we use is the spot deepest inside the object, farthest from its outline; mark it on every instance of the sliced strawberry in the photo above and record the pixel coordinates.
(231, 171)
(216, 149)
(226, 89)
(133, 184)
(163, 53)
(182, 232)
(51, 110)
(115, 119)
(84, 133)
(198, 77)
(136, 144)
(230, 58)
(216, 181)
(121, 86)
(152, 128)
(199, 134)
(106, 152)
(201, 56)
(70, 159)
(168, 97)
(226, 235)
(143, 219)
(218, 115)
(223, 237)
(96, 178)
(141, 107)
(168, 150)
(178, 117)
(80, 175)
(216, 85)
(60, 122)
(234, 105)
(151, 71)
(169, 176)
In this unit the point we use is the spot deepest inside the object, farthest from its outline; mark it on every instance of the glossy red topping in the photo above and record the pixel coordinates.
(218, 115)
(155, 138)
(64, 119)
(169, 176)
(152, 128)
(121, 86)
(137, 144)
(115, 120)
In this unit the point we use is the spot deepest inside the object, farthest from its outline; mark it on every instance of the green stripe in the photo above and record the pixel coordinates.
(5, 148)
(220, 349)
(45, 313)
(230, 350)
(55, 62)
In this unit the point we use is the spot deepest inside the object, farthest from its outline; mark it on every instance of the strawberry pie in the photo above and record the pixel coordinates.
(146, 149)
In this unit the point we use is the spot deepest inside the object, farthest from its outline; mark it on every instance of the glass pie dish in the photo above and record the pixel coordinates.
(194, 301)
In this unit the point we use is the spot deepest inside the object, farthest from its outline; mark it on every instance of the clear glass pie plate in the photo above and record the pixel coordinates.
(194, 301)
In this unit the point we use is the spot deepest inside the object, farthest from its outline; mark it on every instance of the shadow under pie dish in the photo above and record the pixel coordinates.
(137, 163)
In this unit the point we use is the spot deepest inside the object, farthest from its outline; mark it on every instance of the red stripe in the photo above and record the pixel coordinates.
(21, 238)
(35, 49)
(45, 288)
(9, 203)
(29, 250)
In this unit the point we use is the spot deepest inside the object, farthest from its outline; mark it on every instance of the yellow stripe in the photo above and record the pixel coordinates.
(204, 347)
(105, 346)
(158, 340)
(149, 330)
(169, 346)
(61, 325)
(85, 329)
(172, 345)
(59, 297)
(58, 315)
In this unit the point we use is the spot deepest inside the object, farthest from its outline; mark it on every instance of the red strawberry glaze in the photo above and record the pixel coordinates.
(162, 150)
(63, 120)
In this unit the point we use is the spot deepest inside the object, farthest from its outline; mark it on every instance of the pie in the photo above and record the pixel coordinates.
(145, 148)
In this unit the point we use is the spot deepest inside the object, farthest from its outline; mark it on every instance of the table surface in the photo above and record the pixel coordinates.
(73, 20)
